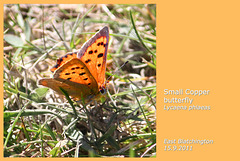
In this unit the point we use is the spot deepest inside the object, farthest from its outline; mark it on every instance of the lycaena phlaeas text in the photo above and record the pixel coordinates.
(82, 73)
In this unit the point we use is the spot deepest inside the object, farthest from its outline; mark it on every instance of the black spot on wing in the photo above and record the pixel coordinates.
(100, 55)
(82, 73)
(87, 61)
(60, 60)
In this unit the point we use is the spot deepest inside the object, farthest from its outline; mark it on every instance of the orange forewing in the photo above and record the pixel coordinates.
(94, 55)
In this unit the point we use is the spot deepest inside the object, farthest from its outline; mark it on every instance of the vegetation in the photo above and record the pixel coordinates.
(40, 123)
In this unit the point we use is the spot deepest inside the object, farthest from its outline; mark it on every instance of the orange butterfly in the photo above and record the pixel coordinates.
(82, 73)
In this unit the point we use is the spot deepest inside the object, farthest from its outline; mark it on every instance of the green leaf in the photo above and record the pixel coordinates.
(13, 40)
(8, 114)
(41, 92)
(56, 150)
(108, 136)
(38, 94)
(20, 20)
(131, 152)
(27, 30)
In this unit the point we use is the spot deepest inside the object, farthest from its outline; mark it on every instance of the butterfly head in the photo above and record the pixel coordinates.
(103, 89)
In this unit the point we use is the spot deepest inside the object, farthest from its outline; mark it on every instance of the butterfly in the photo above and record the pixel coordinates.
(82, 73)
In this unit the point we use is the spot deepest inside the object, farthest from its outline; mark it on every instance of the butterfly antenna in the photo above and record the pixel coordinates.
(117, 70)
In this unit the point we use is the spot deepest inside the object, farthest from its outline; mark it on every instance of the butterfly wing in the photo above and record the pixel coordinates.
(81, 73)
(63, 60)
(73, 89)
(94, 54)
(75, 78)
(76, 71)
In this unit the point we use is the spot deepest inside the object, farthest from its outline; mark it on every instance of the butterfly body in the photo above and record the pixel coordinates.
(82, 74)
